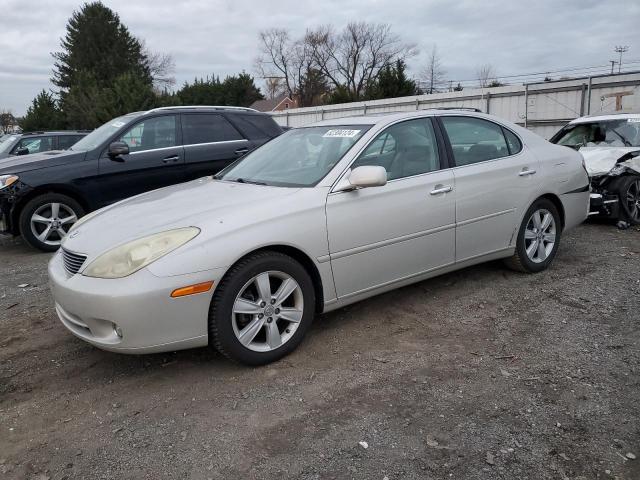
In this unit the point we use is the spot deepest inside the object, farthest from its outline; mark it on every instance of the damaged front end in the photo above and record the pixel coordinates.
(612, 173)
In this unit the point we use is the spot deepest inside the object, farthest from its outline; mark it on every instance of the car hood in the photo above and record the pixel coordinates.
(203, 203)
(24, 163)
(599, 160)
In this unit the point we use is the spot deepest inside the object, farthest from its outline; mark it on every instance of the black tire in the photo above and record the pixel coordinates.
(35, 204)
(520, 261)
(629, 195)
(221, 324)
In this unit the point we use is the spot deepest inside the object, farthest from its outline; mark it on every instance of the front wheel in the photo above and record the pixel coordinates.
(538, 238)
(262, 309)
(46, 219)
(629, 194)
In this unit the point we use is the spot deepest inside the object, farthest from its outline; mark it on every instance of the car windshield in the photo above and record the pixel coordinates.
(100, 134)
(298, 158)
(6, 142)
(623, 132)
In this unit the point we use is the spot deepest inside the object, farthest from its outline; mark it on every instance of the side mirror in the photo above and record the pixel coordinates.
(23, 151)
(116, 149)
(363, 177)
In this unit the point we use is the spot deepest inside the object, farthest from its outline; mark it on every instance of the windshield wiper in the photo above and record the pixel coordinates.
(254, 182)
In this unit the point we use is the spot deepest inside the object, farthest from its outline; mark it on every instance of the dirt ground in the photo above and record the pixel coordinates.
(483, 373)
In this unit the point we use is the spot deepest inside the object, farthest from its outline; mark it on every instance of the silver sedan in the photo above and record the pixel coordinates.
(316, 219)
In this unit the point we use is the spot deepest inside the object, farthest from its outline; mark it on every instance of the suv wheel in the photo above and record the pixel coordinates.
(538, 238)
(46, 219)
(262, 309)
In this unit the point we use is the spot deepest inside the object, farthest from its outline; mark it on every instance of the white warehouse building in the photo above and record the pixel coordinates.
(543, 107)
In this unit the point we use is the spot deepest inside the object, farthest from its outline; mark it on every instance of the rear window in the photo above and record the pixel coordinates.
(207, 128)
(257, 126)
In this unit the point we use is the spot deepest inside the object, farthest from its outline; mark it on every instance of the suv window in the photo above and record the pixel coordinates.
(474, 140)
(257, 126)
(404, 149)
(34, 144)
(65, 141)
(207, 128)
(157, 132)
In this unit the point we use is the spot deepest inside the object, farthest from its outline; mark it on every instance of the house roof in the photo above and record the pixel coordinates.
(269, 105)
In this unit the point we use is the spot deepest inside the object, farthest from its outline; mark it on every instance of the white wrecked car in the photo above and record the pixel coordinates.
(610, 145)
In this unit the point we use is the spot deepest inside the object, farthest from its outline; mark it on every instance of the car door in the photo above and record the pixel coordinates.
(27, 146)
(210, 143)
(495, 178)
(381, 235)
(155, 159)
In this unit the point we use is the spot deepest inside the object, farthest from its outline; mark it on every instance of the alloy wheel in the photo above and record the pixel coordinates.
(267, 311)
(51, 222)
(540, 235)
(633, 200)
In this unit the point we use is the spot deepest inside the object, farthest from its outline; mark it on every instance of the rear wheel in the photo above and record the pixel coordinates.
(629, 194)
(538, 238)
(262, 309)
(46, 219)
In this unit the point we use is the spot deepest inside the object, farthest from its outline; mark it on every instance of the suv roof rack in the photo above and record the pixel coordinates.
(468, 109)
(205, 107)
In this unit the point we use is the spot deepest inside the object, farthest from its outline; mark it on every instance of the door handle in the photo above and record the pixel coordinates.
(441, 189)
(171, 159)
(525, 171)
(241, 151)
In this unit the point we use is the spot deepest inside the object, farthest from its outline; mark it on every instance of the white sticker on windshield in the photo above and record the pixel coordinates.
(117, 124)
(341, 133)
(633, 120)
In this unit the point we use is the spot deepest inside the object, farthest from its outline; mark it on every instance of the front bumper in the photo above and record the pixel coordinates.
(137, 307)
(604, 205)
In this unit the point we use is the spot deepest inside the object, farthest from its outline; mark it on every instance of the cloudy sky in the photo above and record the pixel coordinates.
(220, 36)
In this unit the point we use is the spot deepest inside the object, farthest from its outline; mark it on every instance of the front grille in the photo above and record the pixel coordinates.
(72, 261)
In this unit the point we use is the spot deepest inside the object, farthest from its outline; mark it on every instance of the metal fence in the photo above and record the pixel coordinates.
(542, 107)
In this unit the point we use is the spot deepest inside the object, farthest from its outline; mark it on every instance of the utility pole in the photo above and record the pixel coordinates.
(620, 49)
(612, 62)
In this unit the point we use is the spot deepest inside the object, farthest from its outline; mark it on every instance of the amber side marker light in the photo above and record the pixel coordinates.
(192, 289)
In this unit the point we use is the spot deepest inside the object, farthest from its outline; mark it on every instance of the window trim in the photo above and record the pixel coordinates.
(452, 159)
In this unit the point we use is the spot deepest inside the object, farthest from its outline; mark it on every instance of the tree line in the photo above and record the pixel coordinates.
(102, 71)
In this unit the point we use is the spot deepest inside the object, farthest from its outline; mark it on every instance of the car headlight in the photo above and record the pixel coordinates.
(129, 258)
(6, 180)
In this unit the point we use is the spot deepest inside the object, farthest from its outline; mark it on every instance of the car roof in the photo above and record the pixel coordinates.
(201, 108)
(384, 118)
(607, 116)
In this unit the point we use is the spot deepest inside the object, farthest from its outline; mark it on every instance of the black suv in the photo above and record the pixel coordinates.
(37, 142)
(42, 195)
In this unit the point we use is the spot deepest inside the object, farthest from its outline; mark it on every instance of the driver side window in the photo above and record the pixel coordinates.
(404, 149)
(157, 132)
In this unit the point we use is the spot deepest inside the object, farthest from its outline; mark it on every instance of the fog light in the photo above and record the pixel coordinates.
(118, 330)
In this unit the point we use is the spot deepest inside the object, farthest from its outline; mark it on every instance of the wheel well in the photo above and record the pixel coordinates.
(305, 261)
(41, 191)
(558, 204)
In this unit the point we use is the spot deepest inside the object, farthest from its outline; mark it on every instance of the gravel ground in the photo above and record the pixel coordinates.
(482, 373)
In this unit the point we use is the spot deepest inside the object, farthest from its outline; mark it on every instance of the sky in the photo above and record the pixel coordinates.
(221, 36)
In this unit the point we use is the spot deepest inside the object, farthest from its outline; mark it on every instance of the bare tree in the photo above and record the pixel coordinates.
(353, 58)
(275, 60)
(433, 73)
(274, 87)
(7, 121)
(161, 68)
(486, 74)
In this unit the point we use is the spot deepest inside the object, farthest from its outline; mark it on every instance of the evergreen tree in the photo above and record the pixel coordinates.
(240, 90)
(237, 90)
(393, 82)
(43, 114)
(97, 42)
